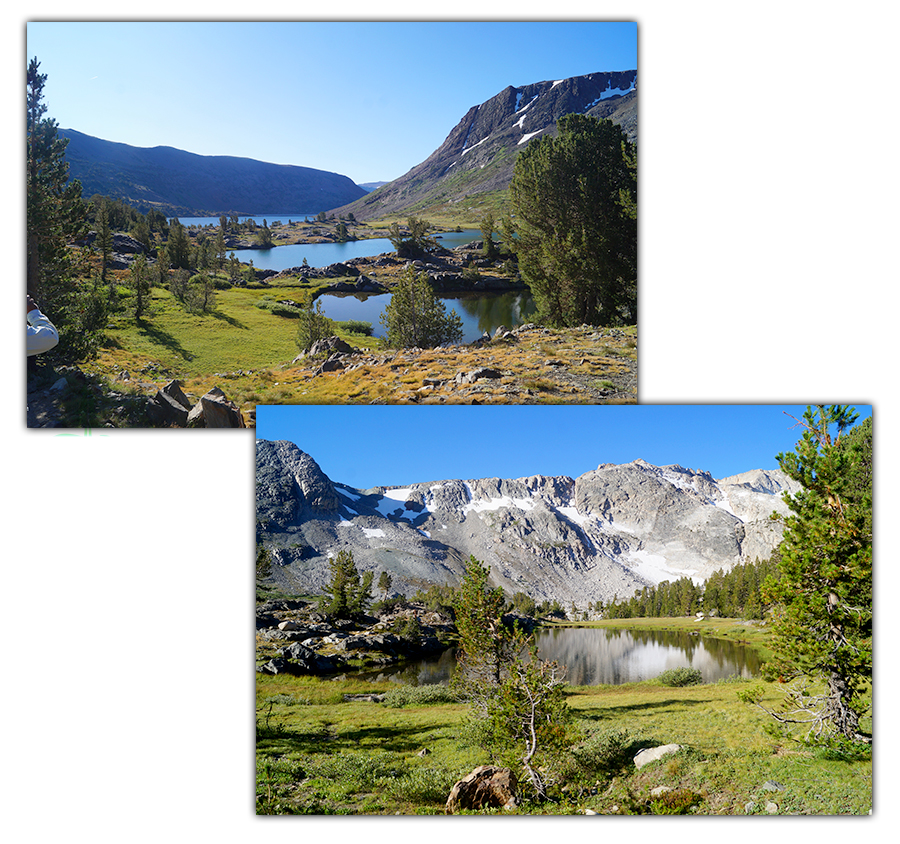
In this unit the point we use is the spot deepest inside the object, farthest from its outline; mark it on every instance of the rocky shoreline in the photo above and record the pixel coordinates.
(293, 637)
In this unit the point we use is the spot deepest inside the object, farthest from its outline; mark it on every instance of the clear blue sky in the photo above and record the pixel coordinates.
(367, 100)
(383, 445)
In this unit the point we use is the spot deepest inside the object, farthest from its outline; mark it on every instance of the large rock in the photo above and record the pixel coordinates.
(170, 406)
(328, 346)
(487, 787)
(652, 754)
(306, 661)
(214, 410)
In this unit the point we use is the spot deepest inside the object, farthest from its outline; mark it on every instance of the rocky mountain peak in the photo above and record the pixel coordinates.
(605, 533)
(478, 155)
(289, 484)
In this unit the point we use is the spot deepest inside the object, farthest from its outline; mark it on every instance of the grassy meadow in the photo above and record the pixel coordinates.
(247, 350)
(318, 753)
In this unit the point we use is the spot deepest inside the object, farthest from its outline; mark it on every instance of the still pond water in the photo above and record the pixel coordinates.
(595, 656)
(480, 312)
(322, 254)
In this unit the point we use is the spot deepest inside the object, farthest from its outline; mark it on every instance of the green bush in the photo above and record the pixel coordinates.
(289, 311)
(355, 326)
(419, 696)
(604, 753)
(679, 801)
(680, 677)
(408, 628)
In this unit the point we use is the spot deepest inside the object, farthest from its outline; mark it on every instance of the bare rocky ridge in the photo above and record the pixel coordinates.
(606, 533)
(479, 154)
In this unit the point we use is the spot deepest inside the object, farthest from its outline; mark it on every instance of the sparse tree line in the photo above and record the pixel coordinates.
(734, 594)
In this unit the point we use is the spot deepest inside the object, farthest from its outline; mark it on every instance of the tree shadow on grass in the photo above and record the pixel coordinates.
(166, 340)
(615, 712)
(280, 739)
(236, 323)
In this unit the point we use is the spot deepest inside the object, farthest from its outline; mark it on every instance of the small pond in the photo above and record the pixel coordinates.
(480, 312)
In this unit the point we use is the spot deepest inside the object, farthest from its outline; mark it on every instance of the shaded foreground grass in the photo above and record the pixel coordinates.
(320, 754)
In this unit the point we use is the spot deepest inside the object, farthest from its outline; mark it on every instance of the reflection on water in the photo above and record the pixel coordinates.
(604, 655)
(417, 672)
(480, 312)
(595, 656)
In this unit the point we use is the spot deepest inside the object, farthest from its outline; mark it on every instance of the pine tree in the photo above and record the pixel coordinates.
(384, 583)
(517, 700)
(179, 246)
(56, 216)
(483, 639)
(415, 316)
(347, 595)
(823, 598)
(139, 280)
(574, 201)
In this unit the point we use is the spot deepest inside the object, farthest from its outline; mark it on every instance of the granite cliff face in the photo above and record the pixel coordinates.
(479, 154)
(606, 533)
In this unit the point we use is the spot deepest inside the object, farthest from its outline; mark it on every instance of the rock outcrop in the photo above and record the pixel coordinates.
(293, 638)
(171, 408)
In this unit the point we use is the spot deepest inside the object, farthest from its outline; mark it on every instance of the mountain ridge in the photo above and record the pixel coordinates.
(177, 182)
(606, 533)
(478, 156)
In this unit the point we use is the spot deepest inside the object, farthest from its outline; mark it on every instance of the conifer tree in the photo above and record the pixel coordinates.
(415, 316)
(139, 280)
(574, 197)
(517, 699)
(479, 610)
(384, 583)
(56, 216)
(823, 597)
(347, 595)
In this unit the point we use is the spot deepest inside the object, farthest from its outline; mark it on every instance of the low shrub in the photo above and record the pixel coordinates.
(420, 695)
(289, 311)
(679, 801)
(355, 326)
(605, 752)
(680, 677)
(407, 628)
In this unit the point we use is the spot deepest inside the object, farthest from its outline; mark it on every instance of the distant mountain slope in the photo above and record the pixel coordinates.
(605, 533)
(183, 183)
(479, 155)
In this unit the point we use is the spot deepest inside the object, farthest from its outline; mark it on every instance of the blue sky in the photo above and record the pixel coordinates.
(367, 100)
(391, 446)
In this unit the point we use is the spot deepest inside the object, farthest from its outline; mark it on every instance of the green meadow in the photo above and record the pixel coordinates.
(320, 753)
